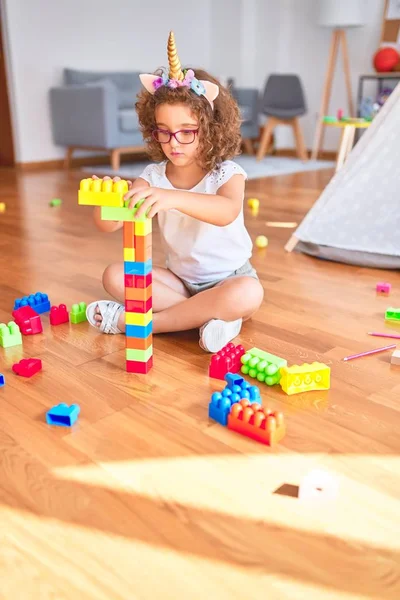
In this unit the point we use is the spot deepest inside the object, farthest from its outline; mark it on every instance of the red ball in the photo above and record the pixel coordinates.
(386, 59)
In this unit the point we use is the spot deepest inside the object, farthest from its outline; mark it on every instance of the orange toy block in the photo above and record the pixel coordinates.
(139, 343)
(129, 235)
(258, 423)
(142, 294)
(143, 247)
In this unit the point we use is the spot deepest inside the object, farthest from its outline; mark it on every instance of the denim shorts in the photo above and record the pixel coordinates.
(247, 270)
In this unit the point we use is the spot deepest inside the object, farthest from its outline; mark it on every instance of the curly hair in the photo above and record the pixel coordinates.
(219, 128)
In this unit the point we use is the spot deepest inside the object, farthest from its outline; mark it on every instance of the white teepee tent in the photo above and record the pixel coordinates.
(356, 219)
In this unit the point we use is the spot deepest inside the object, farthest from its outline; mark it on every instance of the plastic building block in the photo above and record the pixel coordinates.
(129, 254)
(98, 192)
(395, 358)
(392, 314)
(63, 415)
(143, 228)
(235, 390)
(55, 202)
(59, 315)
(262, 365)
(78, 313)
(143, 319)
(305, 378)
(27, 367)
(129, 234)
(226, 361)
(257, 423)
(137, 343)
(318, 485)
(134, 366)
(137, 268)
(139, 355)
(383, 288)
(122, 214)
(138, 281)
(39, 302)
(141, 294)
(139, 331)
(10, 335)
(2, 207)
(143, 247)
(138, 306)
(2, 380)
(28, 320)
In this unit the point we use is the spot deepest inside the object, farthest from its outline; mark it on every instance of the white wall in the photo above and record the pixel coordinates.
(246, 39)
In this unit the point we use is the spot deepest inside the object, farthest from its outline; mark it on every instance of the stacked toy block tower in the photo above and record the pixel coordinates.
(137, 236)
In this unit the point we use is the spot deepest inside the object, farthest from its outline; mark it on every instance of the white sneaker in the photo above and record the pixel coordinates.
(215, 334)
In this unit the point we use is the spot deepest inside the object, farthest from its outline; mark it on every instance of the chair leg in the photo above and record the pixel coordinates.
(291, 244)
(68, 157)
(343, 148)
(248, 146)
(298, 136)
(116, 159)
(265, 138)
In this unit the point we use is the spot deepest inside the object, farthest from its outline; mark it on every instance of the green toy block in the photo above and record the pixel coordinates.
(10, 335)
(262, 365)
(392, 314)
(55, 202)
(78, 313)
(109, 213)
(139, 355)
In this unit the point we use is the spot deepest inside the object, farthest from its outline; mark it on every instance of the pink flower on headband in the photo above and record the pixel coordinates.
(157, 83)
(189, 75)
(173, 83)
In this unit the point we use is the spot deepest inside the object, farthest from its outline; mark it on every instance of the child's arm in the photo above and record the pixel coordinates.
(111, 226)
(218, 209)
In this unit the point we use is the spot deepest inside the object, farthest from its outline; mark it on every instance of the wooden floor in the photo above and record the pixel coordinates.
(146, 498)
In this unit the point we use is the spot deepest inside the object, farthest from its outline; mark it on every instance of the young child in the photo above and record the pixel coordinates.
(192, 125)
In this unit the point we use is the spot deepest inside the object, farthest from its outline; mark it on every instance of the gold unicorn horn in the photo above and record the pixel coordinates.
(175, 69)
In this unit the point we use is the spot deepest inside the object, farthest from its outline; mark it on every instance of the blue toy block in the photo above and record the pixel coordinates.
(63, 415)
(221, 402)
(138, 268)
(2, 380)
(139, 331)
(39, 302)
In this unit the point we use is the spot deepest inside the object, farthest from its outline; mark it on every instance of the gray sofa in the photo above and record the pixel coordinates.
(95, 111)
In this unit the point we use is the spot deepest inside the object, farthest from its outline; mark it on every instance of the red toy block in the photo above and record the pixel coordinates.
(226, 361)
(28, 320)
(27, 367)
(138, 306)
(383, 288)
(59, 315)
(258, 423)
(138, 281)
(135, 366)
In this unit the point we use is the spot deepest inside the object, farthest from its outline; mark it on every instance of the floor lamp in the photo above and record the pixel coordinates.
(338, 15)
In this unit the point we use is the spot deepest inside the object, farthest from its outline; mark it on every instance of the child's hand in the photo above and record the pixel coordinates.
(114, 179)
(155, 200)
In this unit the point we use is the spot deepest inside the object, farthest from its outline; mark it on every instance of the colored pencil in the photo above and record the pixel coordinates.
(387, 335)
(375, 351)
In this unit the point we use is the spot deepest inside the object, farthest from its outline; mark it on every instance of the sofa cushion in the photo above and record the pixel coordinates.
(127, 83)
(128, 120)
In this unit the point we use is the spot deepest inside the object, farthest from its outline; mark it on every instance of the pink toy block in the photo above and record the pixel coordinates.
(59, 315)
(383, 288)
(226, 361)
(28, 320)
(27, 367)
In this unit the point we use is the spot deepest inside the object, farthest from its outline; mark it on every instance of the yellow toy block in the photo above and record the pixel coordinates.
(305, 378)
(129, 254)
(97, 192)
(143, 319)
(143, 227)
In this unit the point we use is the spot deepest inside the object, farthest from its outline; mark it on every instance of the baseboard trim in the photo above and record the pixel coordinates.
(291, 153)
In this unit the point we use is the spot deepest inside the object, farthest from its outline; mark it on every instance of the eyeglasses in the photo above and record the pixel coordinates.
(183, 136)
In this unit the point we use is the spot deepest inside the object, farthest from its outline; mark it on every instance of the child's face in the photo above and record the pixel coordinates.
(173, 118)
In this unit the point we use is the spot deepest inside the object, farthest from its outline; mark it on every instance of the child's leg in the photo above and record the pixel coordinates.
(167, 289)
(235, 298)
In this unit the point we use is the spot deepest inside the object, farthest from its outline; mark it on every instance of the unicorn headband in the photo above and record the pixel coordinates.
(178, 78)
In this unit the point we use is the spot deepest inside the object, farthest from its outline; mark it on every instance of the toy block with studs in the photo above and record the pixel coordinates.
(392, 314)
(262, 365)
(142, 368)
(236, 389)
(305, 378)
(10, 335)
(138, 281)
(27, 367)
(78, 313)
(2, 380)
(59, 315)
(383, 288)
(258, 423)
(27, 320)
(226, 361)
(63, 415)
(39, 302)
(99, 192)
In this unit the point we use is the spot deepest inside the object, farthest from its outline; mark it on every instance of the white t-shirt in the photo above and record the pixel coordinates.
(196, 251)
